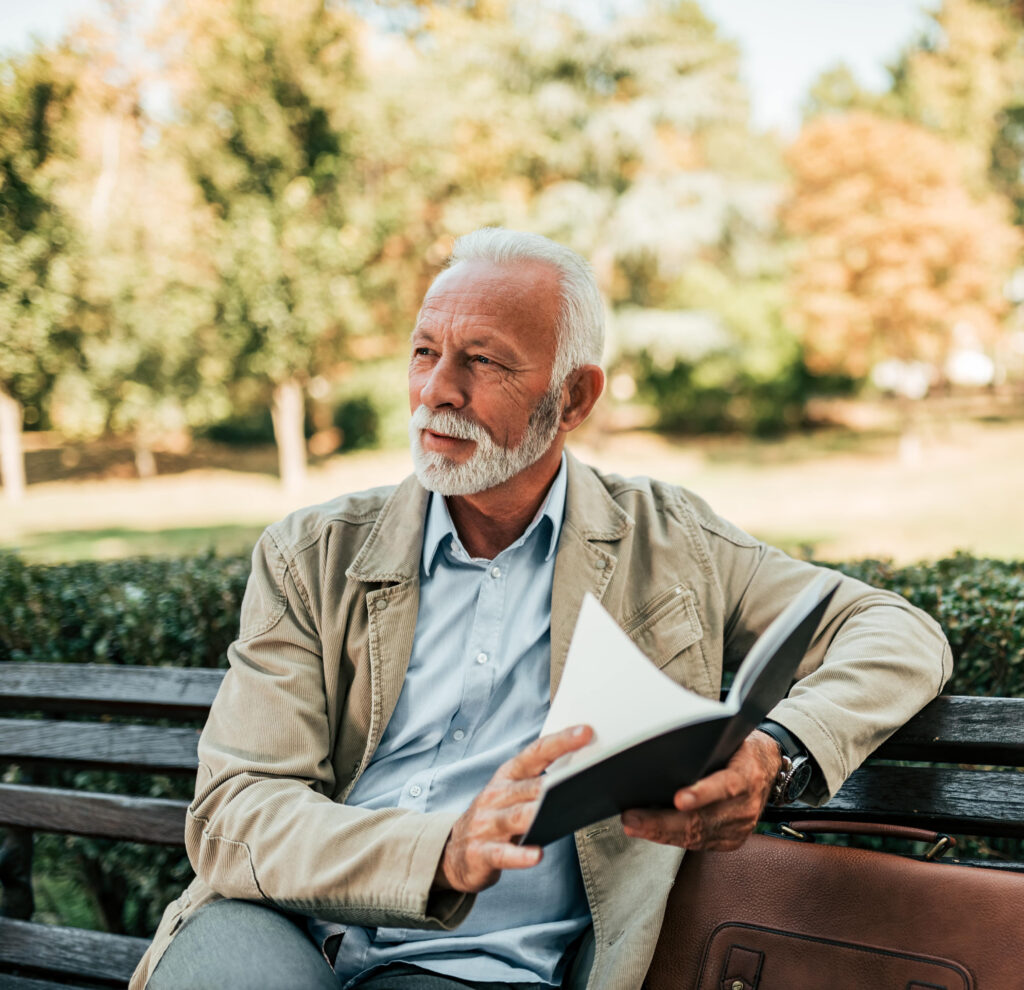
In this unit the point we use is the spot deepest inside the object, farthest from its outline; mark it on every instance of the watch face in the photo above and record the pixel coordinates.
(799, 779)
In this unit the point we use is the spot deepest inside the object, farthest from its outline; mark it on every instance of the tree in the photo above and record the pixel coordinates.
(37, 271)
(275, 132)
(630, 142)
(896, 250)
(963, 78)
(958, 81)
(142, 309)
(838, 89)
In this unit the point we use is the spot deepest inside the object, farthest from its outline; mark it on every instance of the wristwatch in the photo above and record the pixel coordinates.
(797, 766)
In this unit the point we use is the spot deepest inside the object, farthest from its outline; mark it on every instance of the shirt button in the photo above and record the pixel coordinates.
(458, 735)
(495, 572)
(481, 658)
(381, 604)
(415, 790)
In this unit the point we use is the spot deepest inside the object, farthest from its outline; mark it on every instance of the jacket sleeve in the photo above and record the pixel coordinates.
(875, 662)
(263, 825)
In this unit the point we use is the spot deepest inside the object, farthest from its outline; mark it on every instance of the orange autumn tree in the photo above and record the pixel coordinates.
(895, 249)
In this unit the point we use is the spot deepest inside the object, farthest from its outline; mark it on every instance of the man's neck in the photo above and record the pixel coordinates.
(490, 521)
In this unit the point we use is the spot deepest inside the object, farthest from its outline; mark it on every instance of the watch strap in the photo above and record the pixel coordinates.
(788, 743)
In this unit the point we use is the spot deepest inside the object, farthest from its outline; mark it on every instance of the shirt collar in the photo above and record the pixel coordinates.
(439, 528)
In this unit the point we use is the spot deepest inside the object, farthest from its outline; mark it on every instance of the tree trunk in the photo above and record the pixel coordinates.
(145, 462)
(287, 413)
(910, 451)
(12, 460)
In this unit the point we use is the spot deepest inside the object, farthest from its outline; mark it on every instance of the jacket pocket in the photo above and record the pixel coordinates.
(666, 625)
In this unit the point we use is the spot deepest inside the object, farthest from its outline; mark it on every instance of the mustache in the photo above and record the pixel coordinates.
(449, 423)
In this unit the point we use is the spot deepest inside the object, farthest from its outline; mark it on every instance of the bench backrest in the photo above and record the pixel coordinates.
(948, 734)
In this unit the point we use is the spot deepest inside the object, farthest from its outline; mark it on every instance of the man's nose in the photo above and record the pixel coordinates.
(444, 385)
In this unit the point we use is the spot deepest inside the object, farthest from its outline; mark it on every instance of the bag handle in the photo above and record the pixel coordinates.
(806, 829)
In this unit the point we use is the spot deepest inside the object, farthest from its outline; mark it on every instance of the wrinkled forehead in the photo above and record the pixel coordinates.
(525, 287)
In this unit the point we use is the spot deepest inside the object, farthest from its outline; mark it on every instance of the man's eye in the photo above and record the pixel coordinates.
(482, 360)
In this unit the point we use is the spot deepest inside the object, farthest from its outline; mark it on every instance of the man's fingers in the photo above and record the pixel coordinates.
(512, 821)
(505, 856)
(725, 785)
(539, 755)
(505, 793)
(724, 826)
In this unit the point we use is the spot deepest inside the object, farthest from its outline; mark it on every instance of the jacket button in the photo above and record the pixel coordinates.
(601, 565)
(381, 604)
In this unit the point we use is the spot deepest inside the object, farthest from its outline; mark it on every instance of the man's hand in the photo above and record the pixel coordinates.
(482, 841)
(720, 811)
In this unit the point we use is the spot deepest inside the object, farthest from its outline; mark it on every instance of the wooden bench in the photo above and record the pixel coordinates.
(970, 784)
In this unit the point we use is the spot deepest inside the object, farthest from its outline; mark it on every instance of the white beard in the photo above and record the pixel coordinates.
(489, 465)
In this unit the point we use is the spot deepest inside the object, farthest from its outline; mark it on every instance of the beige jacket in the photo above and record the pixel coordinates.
(326, 632)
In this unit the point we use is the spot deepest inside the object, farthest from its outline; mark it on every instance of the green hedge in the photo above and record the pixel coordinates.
(156, 612)
(185, 613)
(979, 603)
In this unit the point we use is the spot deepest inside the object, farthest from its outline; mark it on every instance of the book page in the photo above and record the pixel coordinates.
(611, 686)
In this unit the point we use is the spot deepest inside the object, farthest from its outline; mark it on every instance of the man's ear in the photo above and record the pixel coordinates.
(580, 391)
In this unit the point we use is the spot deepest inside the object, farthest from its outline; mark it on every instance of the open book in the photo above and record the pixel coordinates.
(652, 736)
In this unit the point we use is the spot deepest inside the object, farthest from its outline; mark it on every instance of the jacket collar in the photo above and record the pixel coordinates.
(392, 551)
(589, 509)
(587, 556)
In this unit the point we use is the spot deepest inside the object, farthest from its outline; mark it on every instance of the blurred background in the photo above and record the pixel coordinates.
(218, 217)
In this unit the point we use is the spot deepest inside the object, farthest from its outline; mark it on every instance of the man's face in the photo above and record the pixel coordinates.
(480, 375)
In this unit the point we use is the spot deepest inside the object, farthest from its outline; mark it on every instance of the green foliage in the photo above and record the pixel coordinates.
(155, 612)
(248, 429)
(718, 395)
(184, 611)
(37, 273)
(980, 605)
(273, 133)
(359, 422)
(629, 142)
(356, 417)
(747, 376)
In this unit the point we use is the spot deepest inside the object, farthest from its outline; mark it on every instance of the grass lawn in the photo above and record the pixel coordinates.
(838, 495)
(117, 541)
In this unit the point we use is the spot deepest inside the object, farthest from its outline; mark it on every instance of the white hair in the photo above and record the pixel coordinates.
(580, 325)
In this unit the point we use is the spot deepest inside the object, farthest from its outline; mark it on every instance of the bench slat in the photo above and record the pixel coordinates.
(75, 951)
(951, 729)
(99, 745)
(150, 692)
(8, 982)
(160, 821)
(963, 801)
(958, 729)
(972, 802)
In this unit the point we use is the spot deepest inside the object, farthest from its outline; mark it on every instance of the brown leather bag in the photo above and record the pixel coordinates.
(779, 914)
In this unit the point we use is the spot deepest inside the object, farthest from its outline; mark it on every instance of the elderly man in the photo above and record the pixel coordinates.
(372, 755)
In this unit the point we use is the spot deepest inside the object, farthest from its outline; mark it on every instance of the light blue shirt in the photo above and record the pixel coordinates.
(476, 692)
